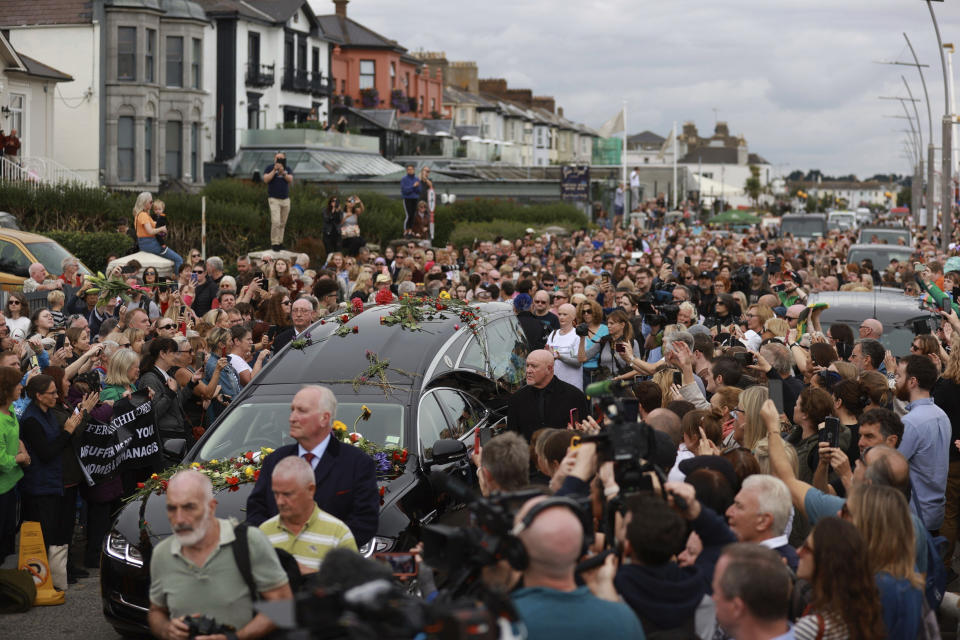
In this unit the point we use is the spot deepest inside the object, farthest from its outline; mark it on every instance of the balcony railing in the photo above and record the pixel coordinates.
(260, 75)
(303, 81)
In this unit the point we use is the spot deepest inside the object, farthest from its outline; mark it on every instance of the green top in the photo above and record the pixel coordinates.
(113, 392)
(216, 589)
(10, 471)
(320, 534)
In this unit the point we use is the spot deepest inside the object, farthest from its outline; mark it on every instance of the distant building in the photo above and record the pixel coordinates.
(375, 72)
(27, 90)
(848, 193)
(140, 109)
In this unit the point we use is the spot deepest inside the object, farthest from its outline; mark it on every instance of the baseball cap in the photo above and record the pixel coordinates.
(384, 279)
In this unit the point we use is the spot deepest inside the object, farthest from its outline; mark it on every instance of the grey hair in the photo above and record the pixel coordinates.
(215, 262)
(773, 497)
(326, 401)
(196, 478)
(142, 200)
(296, 468)
(681, 336)
(779, 357)
(406, 287)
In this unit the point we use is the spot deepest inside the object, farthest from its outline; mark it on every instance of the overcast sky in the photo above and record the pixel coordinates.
(796, 77)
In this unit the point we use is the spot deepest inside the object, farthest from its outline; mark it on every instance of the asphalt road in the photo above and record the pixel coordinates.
(80, 616)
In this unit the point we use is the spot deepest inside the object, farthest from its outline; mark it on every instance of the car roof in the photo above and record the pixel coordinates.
(874, 246)
(333, 359)
(889, 308)
(23, 236)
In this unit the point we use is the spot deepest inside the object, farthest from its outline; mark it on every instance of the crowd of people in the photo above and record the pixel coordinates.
(810, 485)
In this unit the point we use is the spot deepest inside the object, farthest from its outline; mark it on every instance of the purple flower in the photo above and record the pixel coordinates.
(383, 463)
(307, 335)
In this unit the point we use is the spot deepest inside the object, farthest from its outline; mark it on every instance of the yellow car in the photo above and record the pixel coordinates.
(20, 249)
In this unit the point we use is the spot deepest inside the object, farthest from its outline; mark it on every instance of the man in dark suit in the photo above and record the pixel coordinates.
(345, 476)
(545, 401)
(302, 317)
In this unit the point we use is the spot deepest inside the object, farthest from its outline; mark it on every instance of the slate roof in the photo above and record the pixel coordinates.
(753, 158)
(718, 155)
(353, 34)
(646, 137)
(40, 70)
(24, 12)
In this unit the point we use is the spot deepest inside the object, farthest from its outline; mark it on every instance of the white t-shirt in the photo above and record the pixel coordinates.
(239, 364)
(566, 345)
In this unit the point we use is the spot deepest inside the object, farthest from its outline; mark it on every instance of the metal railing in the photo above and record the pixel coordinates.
(260, 75)
(37, 170)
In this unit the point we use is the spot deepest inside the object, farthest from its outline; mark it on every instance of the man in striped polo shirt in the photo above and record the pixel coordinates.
(300, 528)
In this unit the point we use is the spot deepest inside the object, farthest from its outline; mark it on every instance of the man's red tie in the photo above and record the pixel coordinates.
(309, 457)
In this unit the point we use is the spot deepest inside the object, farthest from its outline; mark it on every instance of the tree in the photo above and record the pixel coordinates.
(795, 176)
(753, 187)
(904, 197)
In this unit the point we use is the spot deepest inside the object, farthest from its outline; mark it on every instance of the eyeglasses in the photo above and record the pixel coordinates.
(124, 345)
(199, 271)
(914, 347)
(46, 393)
(185, 351)
(285, 302)
(16, 302)
(166, 326)
(586, 311)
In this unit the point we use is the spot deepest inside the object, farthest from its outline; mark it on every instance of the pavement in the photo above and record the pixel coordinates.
(80, 616)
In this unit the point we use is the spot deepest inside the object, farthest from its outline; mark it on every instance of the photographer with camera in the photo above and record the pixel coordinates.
(664, 595)
(550, 603)
(196, 587)
(613, 351)
(278, 179)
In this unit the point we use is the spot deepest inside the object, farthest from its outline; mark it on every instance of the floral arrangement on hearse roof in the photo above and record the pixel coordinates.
(410, 313)
(229, 473)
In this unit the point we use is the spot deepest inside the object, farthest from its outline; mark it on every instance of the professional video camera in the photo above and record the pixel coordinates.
(659, 302)
(740, 279)
(631, 446)
(357, 598)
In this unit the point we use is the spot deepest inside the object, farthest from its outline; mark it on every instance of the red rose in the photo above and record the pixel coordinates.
(357, 305)
(356, 329)
(354, 437)
(232, 480)
(248, 455)
(234, 488)
(344, 318)
(256, 474)
(323, 322)
(456, 327)
(383, 490)
(403, 456)
(139, 485)
(163, 484)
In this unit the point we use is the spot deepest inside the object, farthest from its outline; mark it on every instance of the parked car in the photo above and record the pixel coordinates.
(20, 249)
(879, 254)
(864, 216)
(805, 226)
(902, 316)
(458, 383)
(885, 235)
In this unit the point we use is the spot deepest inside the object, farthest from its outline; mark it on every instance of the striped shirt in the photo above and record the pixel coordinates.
(321, 533)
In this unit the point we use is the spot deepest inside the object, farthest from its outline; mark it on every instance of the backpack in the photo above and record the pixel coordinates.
(241, 554)
(17, 590)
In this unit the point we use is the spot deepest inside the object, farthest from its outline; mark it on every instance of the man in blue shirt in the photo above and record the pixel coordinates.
(926, 438)
(410, 192)
(550, 603)
(278, 179)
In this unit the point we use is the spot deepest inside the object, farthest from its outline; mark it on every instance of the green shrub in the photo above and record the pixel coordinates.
(466, 233)
(92, 248)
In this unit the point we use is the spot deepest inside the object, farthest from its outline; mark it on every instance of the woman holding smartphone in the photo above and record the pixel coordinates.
(614, 351)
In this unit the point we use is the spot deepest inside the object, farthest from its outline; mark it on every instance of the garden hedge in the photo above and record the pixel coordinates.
(238, 217)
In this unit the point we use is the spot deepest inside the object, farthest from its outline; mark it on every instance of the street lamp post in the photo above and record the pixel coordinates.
(930, 152)
(946, 145)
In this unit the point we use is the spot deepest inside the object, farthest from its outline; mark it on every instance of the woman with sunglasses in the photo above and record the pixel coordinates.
(17, 314)
(150, 277)
(276, 313)
(845, 601)
(591, 314)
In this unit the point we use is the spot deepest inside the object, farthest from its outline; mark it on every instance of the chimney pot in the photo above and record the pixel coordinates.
(341, 7)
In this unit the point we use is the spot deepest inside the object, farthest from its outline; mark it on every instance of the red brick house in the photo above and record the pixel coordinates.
(373, 72)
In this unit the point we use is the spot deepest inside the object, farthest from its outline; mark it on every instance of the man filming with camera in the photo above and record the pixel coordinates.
(550, 603)
(278, 179)
(196, 587)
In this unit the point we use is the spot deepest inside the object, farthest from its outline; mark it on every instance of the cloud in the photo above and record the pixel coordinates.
(796, 77)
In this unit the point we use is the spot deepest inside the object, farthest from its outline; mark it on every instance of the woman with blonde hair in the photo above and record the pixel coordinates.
(122, 373)
(663, 377)
(217, 318)
(882, 516)
(136, 338)
(147, 232)
(750, 427)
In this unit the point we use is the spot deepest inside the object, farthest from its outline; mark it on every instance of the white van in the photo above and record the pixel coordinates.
(841, 220)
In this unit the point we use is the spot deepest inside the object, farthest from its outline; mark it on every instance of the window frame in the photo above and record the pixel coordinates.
(177, 62)
(178, 125)
(196, 63)
(148, 145)
(150, 56)
(127, 155)
(370, 76)
(126, 58)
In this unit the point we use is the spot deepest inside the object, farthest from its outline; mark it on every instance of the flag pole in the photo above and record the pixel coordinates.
(674, 165)
(623, 159)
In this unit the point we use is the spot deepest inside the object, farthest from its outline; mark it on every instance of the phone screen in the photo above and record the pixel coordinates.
(830, 432)
(677, 378)
(574, 417)
(775, 387)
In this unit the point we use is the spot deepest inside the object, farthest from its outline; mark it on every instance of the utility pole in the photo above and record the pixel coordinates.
(931, 223)
(946, 145)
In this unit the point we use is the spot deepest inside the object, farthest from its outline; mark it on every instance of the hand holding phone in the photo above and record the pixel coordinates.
(830, 432)
(574, 418)
(476, 442)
